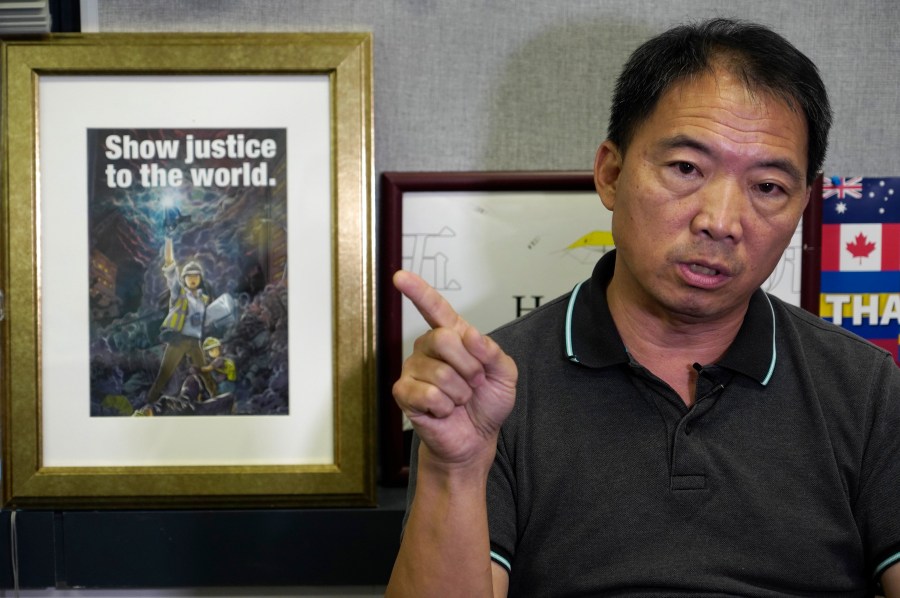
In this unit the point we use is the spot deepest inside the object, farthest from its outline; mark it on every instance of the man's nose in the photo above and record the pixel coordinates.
(720, 211)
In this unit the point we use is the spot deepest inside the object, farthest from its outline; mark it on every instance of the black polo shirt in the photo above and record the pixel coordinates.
(783, 478)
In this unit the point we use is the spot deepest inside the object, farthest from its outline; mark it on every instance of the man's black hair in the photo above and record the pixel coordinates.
(763, 59)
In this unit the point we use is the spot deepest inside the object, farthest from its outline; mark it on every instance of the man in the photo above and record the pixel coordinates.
(666, 428)
(183, 327)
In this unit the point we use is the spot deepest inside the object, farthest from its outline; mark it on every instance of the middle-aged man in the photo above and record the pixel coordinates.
(667, 428)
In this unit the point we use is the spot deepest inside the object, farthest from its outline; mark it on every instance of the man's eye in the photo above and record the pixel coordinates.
(769, 188)
(685, 167)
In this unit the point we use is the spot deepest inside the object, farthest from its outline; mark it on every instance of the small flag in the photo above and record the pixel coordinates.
(860, 277)
(860, 199)
(842, 188)
(863, 247)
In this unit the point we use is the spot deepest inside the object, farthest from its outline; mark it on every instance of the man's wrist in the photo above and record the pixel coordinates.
(473, 470)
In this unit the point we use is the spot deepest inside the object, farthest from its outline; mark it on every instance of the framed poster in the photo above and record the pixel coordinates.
(498, 244)
(161, 192)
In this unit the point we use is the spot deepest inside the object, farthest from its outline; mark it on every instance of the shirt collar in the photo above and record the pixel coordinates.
(593, 340)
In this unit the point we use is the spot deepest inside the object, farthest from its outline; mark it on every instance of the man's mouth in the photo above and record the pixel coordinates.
(704, 270)
(705, 276)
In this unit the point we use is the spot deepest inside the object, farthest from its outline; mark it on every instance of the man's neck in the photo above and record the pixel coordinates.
(667, 345)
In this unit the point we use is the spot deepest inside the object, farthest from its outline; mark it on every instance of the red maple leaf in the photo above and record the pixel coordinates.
(861, 247)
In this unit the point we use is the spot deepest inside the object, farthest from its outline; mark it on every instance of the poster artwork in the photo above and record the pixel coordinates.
(860, 285)
(188, 272)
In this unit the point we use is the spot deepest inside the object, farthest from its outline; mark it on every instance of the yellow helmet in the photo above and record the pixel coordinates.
(211, 343)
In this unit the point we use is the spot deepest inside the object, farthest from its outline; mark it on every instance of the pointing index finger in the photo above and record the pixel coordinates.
(436, 310)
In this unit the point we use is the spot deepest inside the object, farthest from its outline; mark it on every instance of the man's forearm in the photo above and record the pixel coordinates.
(890, 581)
(446, 548)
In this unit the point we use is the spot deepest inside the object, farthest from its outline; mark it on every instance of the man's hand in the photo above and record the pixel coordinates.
(458, 386)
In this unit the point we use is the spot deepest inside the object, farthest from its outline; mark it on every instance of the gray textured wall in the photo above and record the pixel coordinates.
(525, 84)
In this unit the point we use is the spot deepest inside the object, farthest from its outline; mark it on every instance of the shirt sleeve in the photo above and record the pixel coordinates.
(878, 504)
(171, 274)
(501, 504)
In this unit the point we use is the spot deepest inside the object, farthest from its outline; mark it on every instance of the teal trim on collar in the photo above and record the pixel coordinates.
(592, 340)
(772, 364)
(501, 561)
(753, 352)
(590, 335)
(887, 563)
(570, 352)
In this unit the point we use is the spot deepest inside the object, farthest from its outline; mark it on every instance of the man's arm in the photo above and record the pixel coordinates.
(501, 580)
(457, 388)
(890, 581)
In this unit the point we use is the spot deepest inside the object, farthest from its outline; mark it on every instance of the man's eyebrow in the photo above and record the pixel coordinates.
(678, 141)
(783, 164)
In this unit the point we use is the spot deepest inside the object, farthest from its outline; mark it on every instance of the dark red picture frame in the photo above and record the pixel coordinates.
(811, 263)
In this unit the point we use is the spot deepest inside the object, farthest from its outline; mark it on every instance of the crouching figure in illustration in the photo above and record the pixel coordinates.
(219, 366)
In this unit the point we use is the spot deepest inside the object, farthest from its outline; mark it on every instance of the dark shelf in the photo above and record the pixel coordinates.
(187, 548)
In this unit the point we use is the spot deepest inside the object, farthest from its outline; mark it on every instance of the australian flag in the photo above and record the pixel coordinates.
(860, 287)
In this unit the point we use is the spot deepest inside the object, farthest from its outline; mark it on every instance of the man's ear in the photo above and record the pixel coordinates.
(607, 167)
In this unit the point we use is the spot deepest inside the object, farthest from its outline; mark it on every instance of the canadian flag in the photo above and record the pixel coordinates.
(860, 247)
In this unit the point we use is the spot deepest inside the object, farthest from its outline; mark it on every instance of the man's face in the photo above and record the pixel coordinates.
(192, 281)
(706, 198)
(214, 352)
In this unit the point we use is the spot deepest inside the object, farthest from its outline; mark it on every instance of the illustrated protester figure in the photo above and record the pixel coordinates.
(182, 328)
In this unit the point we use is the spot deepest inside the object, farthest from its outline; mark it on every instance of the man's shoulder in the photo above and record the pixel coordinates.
(549, 318)
(844, 368)
(813, 331)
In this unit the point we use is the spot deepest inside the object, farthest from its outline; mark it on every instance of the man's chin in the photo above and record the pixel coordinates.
(702, 306)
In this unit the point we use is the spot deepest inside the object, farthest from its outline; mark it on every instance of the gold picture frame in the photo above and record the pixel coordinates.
(59, 90)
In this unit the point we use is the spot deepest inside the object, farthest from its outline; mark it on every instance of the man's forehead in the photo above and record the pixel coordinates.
(718, 104)
(731, 83)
